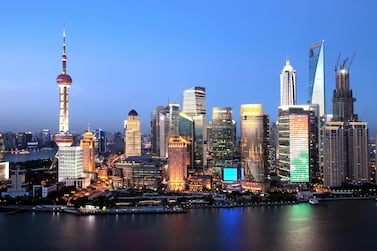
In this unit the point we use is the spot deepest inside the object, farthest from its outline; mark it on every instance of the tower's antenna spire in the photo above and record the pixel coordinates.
(64, 56)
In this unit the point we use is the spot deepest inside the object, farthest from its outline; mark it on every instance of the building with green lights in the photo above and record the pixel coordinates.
(298, 154)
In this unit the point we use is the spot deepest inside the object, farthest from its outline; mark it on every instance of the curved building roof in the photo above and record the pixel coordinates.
(132, 113)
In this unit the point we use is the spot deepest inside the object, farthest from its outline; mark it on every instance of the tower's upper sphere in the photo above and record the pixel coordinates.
(64, 79)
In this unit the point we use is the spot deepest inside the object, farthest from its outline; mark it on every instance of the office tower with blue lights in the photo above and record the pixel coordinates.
(222, 139)
(317, 76)
(132, 135)
(100, 141)
(288, 85)
(194, 106)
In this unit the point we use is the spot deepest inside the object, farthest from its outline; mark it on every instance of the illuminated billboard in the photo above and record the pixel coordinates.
(230, 173)
(299, 147)
(233, 173)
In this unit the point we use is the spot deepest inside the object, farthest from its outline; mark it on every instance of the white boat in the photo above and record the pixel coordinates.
(313, 201)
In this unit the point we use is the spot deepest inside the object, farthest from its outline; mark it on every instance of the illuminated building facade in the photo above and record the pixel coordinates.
(288, 85)
(4, 171)
(298, 154)
(70, 163)
(87, 144)
(194, 105)
(317, 76)
(222, 137)
(177, 163)
(254, 142)
(132, 135)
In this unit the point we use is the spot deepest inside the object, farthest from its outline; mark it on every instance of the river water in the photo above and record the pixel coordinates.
(33, 155)
(334, 225)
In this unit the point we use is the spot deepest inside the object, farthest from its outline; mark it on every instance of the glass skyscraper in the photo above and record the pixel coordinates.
(194, 105)
(254, 142)
(317, 76)
(222, 136)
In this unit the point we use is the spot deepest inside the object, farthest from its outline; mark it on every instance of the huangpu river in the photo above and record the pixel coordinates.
(332, 225)
(32, 155)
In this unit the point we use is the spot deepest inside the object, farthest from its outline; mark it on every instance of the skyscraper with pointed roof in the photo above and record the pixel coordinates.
(288, 85)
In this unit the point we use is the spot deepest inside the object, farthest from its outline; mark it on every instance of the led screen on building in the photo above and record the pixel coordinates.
(230, 174)
(299, 147)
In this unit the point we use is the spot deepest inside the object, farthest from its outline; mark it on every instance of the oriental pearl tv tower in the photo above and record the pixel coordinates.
(64, 81)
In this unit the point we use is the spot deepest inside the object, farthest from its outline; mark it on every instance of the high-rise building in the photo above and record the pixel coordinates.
(298, 157)
(349, 146)
(194, 105)
(132, 135)
(2, 147)
(70, 163)
(159, 131)
(173, 119)
(288, 85)
(87, 144)
(342, 95)
(254, 142)
(100, 141)
(177, 163)
(333, 150)
(317, 76)
(222, 137)
(45, 138)
(357, 170)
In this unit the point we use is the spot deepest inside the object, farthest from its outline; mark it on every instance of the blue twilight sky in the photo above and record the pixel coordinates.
(125, 55)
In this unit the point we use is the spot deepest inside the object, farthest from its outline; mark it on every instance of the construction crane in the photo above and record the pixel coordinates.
(337, 63)
(353, 56)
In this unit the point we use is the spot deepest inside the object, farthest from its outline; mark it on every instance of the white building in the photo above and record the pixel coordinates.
(70, 163)
(288, 85)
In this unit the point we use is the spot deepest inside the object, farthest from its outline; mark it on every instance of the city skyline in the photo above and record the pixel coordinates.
(126, 55)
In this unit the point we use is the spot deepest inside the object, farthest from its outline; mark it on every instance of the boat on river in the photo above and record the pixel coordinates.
(313, 201)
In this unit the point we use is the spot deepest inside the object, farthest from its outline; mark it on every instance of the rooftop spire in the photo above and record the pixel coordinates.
(64, 55)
